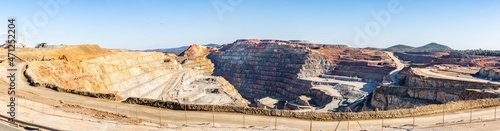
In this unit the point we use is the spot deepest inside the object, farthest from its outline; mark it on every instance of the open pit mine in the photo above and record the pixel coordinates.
(290, 75)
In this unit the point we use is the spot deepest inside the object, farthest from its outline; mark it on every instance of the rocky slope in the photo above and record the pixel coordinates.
(370, 65)
(178, 50)
(400, 48)
(432, 47)
(434, 58)
(489, 73)
(134, 74)
(80, 52)
(285, 70)
(418, 79)
(420, 89)
(195, 58)
(388, 98)
(416, 58)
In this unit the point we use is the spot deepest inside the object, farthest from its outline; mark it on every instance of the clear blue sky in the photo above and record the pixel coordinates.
(134, 24)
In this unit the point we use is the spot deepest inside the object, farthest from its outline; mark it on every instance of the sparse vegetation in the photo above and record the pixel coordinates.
(477, 52)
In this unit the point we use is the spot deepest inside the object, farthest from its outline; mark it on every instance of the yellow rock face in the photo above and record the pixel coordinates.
(131, 74)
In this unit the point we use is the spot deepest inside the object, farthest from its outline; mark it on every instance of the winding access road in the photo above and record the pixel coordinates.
(399, 67)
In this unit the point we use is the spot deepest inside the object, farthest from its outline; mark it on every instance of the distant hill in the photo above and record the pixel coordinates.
(431, 47)
(400, 48)
(372, 48)
(178, 50)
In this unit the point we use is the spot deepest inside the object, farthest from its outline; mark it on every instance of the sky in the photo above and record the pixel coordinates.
(152, 24)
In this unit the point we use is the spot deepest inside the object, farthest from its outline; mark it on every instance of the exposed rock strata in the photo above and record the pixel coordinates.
(422, 90)
(417, 80)
(368, 73)
(303, 100)
(387, 98)
(323, 116)
(323, 97)
(135, 74)
(267, 103)
(436, 58)
(269, 68)
(201, 64)
(370, 65)
(489, 73)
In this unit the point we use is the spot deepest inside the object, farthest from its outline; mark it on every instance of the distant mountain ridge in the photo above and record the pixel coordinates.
(431, 47)
(179, 50)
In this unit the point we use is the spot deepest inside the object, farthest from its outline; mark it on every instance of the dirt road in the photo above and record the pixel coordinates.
(399, 67)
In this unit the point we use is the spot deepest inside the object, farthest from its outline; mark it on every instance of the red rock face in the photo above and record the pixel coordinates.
(197, 50)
